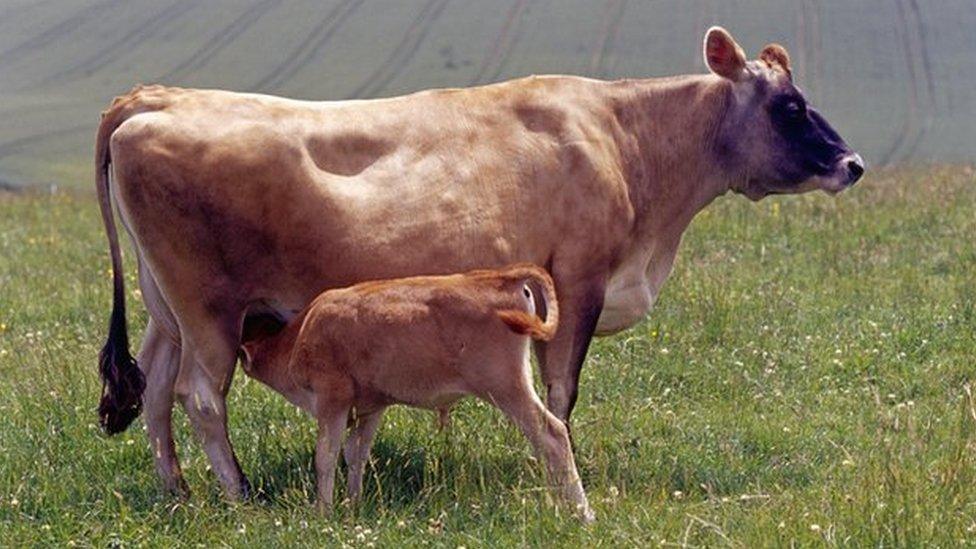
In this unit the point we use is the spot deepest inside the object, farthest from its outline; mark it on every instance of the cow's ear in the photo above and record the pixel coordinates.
(775, 57)
(247, 349)
(723, 55)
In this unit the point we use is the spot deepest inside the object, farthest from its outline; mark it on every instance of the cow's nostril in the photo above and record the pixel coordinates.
(855, 167)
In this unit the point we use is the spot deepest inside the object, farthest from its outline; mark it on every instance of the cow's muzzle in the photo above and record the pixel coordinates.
(854, 165)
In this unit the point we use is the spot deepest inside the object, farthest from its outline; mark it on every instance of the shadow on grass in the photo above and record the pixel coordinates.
(398, 475)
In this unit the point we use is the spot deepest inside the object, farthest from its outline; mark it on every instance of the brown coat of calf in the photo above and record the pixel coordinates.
(421, 341)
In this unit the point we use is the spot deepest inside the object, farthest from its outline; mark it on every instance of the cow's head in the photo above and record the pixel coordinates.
(770, 137)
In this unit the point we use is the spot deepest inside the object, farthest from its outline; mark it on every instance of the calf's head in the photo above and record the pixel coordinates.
(770, 139)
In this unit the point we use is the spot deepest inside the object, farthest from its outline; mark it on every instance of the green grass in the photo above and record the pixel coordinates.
(802, 380)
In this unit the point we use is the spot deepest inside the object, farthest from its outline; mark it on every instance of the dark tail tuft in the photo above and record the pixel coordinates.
(122, 381)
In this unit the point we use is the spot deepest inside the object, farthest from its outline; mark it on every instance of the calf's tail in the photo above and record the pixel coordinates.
(122, 381)
(523, 322)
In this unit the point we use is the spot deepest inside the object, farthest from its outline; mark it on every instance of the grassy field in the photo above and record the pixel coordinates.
(804, 378)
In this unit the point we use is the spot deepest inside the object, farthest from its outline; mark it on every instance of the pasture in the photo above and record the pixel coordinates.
(804, 378)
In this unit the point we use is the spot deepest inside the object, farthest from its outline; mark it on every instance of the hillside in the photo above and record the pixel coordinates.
(895, 77)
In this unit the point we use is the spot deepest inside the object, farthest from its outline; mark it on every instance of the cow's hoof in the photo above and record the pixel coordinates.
(177, 489)
(247, 493)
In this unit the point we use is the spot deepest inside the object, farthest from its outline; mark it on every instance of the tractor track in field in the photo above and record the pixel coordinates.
(604, 46)
(5, 13)
(908, 131)
(701, 23)
(506, 56)
(123, 45)
(816, 51)
(923, 50)
(223, 38)
(59, 31)
(309, 47)
(18, 145)
(799, 57)
(502, 45)
(810, 48)
(404, 51)
(922, 54)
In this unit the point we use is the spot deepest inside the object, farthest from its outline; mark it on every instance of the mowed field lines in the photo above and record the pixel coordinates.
(806, 377)
(895, 77)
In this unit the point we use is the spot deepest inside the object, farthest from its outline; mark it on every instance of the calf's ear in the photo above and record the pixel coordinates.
(723, 55)
(775, 56)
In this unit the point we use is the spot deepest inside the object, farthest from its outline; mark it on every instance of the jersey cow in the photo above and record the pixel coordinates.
(244, 205)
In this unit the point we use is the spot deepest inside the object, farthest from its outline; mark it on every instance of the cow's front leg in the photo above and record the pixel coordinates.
(205, 374)
(561, 359)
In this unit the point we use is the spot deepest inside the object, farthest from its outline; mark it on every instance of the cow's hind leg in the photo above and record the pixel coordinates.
(207, 363)
(159, 359)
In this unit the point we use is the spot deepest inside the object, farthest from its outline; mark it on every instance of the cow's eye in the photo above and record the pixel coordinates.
(795, 110)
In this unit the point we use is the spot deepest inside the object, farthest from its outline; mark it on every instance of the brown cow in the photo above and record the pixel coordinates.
(243, 204)
(423, 341)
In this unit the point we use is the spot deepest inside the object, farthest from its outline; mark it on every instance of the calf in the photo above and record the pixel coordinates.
(422, 341)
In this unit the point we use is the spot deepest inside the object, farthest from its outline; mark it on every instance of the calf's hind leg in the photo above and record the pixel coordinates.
(549, 438)
(159, 360)
(356, 452)
(332, 424)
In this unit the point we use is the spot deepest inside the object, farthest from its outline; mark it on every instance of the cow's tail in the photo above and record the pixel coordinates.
(523, 322)
(122, 381)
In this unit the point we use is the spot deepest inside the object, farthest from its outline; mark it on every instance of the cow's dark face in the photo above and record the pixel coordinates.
(770, 137)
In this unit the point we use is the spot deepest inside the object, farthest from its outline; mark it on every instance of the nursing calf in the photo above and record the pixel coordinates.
(422, 341)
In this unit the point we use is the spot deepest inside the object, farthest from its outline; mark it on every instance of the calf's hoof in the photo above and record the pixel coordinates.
(324, 508)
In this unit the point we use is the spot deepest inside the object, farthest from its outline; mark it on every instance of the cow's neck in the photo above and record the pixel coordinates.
(667, 128)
